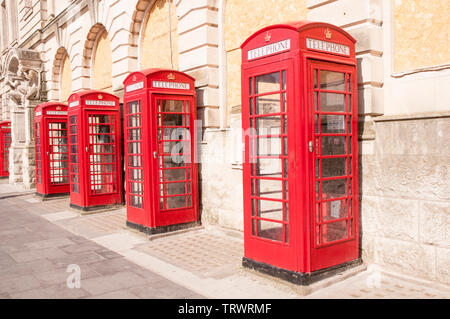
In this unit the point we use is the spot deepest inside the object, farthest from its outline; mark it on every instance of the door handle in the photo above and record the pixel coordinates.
(154, 154)
(310, 146)
(87, 149)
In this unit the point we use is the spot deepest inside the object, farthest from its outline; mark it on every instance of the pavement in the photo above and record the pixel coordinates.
(48, 250)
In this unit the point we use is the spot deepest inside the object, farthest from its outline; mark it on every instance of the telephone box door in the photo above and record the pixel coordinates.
(102, 152)
(268, 128)
(57, 164)
(5, 144)
(5, 141)
(173, 158)
(333, 114)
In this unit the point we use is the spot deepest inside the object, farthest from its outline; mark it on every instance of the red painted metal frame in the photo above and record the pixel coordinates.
(300, 253)
(81, 150)
(5, 143)
(139, 88)
(44, 149)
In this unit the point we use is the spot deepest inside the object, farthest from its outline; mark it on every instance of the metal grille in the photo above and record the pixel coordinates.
(38, 153)
(135, 186)
(268, 156)
(59, 160)
(74, 155)
(174, 154)
(333, 157)
(102, 154)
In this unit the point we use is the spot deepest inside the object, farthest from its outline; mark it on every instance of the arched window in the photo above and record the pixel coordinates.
(66, 79)
(159, 37)
(102, 63)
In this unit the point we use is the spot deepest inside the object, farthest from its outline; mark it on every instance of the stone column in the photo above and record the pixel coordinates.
(23, 93)
(28, 153)
(199, 57)
(17, 144)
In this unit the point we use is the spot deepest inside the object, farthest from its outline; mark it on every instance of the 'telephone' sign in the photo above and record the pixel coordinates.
(100, 103)
(326, 46)
(56, 112)
(134, 86)
(269, 49)
(171, 85)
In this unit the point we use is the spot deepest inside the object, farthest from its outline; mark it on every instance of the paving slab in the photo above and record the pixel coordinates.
(39, 240)
(35, 253)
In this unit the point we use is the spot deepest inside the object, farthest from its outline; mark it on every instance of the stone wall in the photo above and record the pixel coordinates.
(421, 28)
(405, 197)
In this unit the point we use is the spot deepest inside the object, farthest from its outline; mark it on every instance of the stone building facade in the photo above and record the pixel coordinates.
(50, 49)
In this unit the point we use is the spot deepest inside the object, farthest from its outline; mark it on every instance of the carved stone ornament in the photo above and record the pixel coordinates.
(23, 76)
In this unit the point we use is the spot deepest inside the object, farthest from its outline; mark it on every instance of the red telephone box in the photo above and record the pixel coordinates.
(95, 168)
(5, 143)
(300, 172)
(51, 146)
(161, 173)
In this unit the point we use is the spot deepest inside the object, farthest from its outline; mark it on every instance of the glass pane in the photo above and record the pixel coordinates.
(136, 201)
(333, 145)
(176, 202)
(134, 107)
(269, 146)
(134, 120)
(330, 80)
(334, 231)
(269, 230)
(332, 123)
(349, 145)
(135, 188)
(332, 102)
(175, 188)
(267, 83)
(332, 167)
(334, 210)
(316, 101)
(349, 124)
(174, 174)
(135, 174)
(174, 120)
(268, 104)
(172, 106)
(269, 167)
(315, 78)
(334, 188)
(270, 209)
(268, 125)
(286, 211)
(269, 188)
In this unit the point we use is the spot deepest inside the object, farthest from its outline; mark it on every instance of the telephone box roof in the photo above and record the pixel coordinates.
(88, 92)
(50, 104)
(299, 26)
(153, 71)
